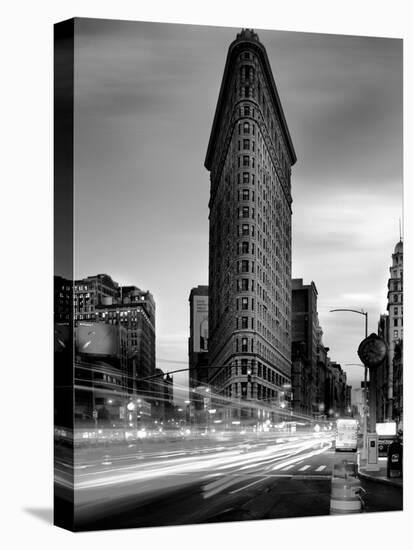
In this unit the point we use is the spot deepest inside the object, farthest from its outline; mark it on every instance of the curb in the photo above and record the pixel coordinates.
(382, 480)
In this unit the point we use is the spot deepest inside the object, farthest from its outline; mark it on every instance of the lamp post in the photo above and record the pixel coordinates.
(361, 312)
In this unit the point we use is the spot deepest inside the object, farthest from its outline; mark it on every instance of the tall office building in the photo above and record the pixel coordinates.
(198, 336)
(306, 331)
(395, 299)
(99, 299)
(391, 330)
(249, 156)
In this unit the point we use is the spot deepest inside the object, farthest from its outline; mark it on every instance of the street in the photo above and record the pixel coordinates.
(205, 480)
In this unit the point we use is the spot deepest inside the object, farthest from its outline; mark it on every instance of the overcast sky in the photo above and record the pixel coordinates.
(145, 96)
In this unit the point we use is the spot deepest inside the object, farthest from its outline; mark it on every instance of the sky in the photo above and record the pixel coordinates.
(145, 97)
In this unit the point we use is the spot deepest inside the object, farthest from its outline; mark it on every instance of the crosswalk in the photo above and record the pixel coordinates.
(308, 468)
(295, 470)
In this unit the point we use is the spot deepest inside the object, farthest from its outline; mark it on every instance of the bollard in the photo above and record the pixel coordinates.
(345, 496)
(345, 490)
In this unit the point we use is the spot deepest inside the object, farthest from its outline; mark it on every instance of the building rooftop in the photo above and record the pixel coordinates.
(247, 34)
(399, 247)
(244, 38)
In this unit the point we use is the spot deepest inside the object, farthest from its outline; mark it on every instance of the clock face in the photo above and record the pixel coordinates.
(372, 351)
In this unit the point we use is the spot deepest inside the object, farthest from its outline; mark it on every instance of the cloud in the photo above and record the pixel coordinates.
(145, 100)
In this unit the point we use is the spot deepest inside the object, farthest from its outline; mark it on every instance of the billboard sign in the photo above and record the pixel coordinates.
(386, 428)
(346, 439)
(200, 324)
(97, 339)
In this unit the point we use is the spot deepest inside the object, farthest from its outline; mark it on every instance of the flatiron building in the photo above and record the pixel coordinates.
(249, 157)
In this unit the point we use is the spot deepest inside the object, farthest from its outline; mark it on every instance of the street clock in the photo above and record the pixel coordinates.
(372, 350)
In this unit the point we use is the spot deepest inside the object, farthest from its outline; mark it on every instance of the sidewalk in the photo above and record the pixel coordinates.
(380, 476)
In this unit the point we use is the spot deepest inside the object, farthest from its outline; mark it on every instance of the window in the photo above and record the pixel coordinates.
(245, 161)
(245, 229)
(244, 348)
(247, 110)
(395, 322)
(245, 177)
(244, 284)
(246, 127)
(244, 247)
(246, 91)
(244, 322)
(244, 266)
(245, 195)
(246, 143)
(245, 212)
(396, 333)
(244, 303)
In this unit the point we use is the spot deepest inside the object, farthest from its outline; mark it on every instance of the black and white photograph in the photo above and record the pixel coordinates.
(233, 317)
(206, 214)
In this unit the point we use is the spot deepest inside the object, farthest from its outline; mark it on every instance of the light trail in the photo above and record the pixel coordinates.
(184, 467)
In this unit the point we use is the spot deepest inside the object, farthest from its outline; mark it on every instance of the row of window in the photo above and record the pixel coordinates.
(245, 303)
(109, 379)
(246, 212)
(245, 285)
(246, 195)
(246, 144)
(249, 128)
(244, 323)
(262, 392)
(246, 161)
(245, 247)
(246, 178)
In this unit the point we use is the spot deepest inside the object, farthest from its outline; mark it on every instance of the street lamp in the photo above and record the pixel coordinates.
(361, 312)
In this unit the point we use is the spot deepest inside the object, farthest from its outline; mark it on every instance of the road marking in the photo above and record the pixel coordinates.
(308, 477)
(304, 468)
(245, 486)
(214, 488)
(106, 463)
(321, 468)
(287, 467)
